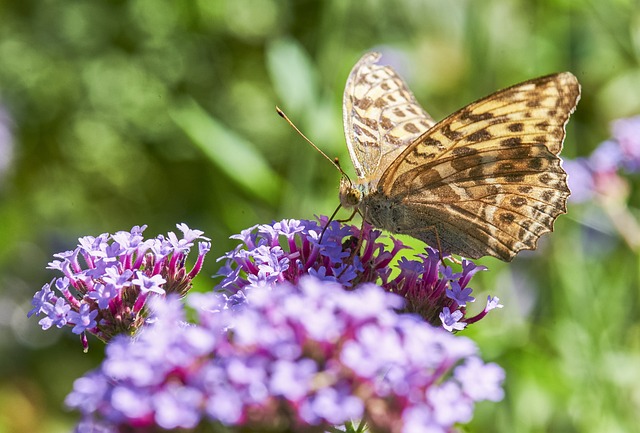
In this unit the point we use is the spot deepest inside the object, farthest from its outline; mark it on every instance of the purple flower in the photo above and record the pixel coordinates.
(132, 404)
(116, 277)
(89, 392)
(108, 278)
(335, 405)
(288, 250)
(626, 133)
(305, 331)
(149, 284)
(580, 179)
(83, 320)
(460, 295)
(480, 381)
(90, 426)
(607, 157)
(57, 314)
(177, 406)
(273, 366)
(41, 300)
(103, 294)
(292, 379)
(450, 321)
(190, 235)
(450, 404)
(598, 175)
(493, 303)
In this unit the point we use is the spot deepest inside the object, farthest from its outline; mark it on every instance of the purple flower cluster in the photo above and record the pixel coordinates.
(108, 280)
(290, 249)
(296, 357)
(434, 291)
(598, 174)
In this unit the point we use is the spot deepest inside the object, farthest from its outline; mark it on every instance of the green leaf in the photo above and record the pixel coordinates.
(231, 153)
(293, 75)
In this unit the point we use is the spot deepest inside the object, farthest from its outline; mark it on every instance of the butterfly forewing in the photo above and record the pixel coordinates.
(381, 117)
(487, 178)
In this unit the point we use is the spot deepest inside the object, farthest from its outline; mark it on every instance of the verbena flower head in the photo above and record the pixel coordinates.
(300, 357)
(288, 250)
(108, 279)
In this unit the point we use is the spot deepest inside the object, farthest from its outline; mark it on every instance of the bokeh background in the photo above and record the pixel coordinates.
(117, 113)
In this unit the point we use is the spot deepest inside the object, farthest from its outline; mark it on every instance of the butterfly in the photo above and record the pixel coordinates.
(485, 181)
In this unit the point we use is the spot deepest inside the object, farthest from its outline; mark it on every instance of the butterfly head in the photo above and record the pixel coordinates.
(350, 195)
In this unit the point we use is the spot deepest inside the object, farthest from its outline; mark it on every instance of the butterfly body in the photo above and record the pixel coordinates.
(484, 181)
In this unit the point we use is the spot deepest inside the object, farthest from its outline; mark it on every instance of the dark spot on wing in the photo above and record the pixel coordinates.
(475, 117)
(451, 135)
(518, 201)
(511, 142)
(507, 217)
(481, 135)
(515, 127)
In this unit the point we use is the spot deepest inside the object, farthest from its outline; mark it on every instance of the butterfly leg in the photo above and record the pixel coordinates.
(355, 211)
(435, 232)
(433, 229)
(438, 245)
(340, 221)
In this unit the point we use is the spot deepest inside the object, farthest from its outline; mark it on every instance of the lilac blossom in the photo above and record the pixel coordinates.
(107, 280)
(280, 364)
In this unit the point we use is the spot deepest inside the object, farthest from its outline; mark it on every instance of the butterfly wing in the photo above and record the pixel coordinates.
(487, 178)
(381, 117)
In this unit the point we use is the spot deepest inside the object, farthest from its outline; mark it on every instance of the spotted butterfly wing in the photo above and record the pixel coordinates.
(381, 117)
(484, 181)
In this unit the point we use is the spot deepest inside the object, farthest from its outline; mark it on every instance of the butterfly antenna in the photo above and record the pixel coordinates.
(324, 229)
(334, 162)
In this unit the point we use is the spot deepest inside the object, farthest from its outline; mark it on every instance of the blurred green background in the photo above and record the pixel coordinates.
(116, 113)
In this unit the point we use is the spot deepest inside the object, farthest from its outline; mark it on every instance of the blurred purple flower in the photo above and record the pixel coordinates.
(626, 133)
(107, 295)
(598, 174)
(270, 366)
(580, 178)
(478, 379)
